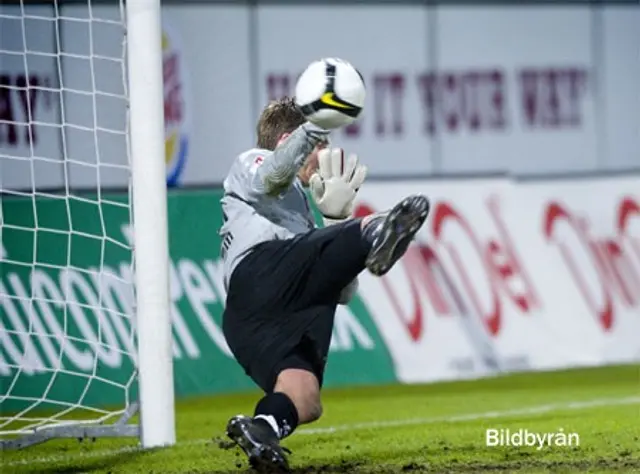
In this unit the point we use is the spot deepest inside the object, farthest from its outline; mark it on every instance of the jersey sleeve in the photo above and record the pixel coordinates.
(278, 171)
(243, 180)
(260, 172)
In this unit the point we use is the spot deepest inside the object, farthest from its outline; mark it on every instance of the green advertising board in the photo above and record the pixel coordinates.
(67, 303)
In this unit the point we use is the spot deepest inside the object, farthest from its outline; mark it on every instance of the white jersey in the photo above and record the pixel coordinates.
(263, 199)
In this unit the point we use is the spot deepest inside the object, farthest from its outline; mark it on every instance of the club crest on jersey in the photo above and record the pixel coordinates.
(176, 107)
(257, 161)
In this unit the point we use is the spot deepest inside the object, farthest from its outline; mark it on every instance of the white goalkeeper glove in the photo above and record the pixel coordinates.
(335, 184)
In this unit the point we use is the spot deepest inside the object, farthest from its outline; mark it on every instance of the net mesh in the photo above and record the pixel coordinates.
(66, 294)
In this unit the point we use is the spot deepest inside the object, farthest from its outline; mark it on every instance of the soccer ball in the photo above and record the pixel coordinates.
(330, 93)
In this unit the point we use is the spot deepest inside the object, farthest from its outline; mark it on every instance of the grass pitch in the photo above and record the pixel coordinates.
(401, 429)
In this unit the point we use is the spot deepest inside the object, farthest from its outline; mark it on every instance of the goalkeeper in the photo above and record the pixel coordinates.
(285, 278)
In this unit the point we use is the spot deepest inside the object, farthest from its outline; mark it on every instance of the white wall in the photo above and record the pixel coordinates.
(539, 56)
(26, 49)
(620, 76)
(386, 44)
(450, 89)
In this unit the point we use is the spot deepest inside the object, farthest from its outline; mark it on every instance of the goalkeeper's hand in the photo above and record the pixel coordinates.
(335, 184)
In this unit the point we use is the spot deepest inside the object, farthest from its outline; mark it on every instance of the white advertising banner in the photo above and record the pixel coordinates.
(460, 89)
(510, 96)
(80, 95)
(216, 81)
(511, 275)
(388, 45)
(471, 89)
(207, 106)
(620, 89)
(29, 100)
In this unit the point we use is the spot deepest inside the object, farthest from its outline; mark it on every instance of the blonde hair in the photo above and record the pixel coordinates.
(278, 117)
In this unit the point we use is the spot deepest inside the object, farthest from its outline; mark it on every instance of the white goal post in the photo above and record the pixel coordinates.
(146, 104)
(85, 326)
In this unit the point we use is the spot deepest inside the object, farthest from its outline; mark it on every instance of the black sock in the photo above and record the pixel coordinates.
(277, 411)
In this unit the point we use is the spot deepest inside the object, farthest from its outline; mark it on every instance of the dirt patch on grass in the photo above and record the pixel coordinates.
(616, 464)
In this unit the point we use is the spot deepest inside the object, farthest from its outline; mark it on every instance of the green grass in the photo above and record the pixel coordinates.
(397, 429)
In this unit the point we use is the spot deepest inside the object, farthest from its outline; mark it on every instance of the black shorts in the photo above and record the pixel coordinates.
(282, 300)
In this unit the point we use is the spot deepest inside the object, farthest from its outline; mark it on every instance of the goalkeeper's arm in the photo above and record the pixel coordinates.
(279, 170)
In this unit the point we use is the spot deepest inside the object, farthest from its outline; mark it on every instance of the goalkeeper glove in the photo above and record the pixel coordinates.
(335, 184)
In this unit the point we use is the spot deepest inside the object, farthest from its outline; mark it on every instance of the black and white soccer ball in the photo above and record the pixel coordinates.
(330, 93)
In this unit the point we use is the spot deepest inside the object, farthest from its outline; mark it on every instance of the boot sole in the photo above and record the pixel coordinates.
(398, 229)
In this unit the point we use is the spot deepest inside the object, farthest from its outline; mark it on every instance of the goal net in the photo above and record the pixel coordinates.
(84, 328)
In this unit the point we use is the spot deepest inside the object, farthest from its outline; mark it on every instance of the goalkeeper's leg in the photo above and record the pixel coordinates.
(315, 267)
(375, 242)
(281, 335)
(285, 354)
